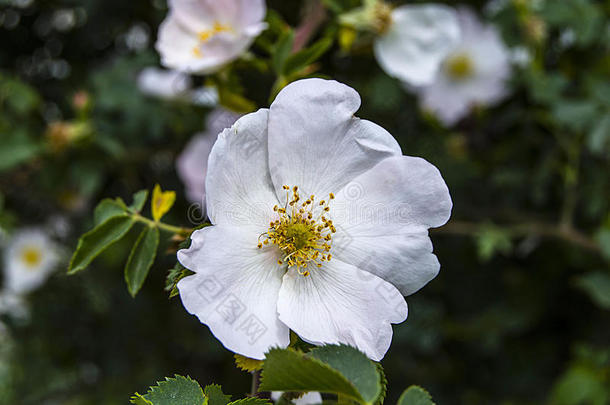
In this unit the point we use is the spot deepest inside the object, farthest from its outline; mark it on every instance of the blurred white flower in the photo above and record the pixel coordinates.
(520, 56)
(416, 42)
(192, 164)
(166, 84)
(14, 305)
(29, 257)
(473, 73)
(201, 36)
(309, 398)
(320, 226)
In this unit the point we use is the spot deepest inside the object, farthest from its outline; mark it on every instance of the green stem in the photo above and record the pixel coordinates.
(165, 227)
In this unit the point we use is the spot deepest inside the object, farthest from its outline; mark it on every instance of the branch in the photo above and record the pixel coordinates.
(551, 231)
(313, 16)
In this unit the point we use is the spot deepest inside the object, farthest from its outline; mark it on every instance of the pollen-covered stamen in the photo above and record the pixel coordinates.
(301, 232)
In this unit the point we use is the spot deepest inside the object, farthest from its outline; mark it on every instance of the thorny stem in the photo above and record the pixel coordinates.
(166, 227)
(565, 233)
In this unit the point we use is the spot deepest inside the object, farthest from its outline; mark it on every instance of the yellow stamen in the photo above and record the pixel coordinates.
(459, 66)
(302, 239)
(31, 256)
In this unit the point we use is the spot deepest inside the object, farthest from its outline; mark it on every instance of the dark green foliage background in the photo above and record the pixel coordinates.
(505, 322)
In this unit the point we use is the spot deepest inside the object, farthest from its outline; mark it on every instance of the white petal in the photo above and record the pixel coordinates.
(238, 185)
(316, 143)
(382, 219)
(201, 14)
(449, 99)
(176, 44)
(235, 289)
(161, 83)
(417, 41)
(339, 303)
(309, 398)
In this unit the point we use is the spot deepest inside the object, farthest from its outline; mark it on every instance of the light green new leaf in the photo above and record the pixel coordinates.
(215, 396)
(179, 390)
(139, 199)
(94, 242)
(597, 286)
(141, 259)
(307, 56)
(332, 369)
(415, 395)
(138, 399)
(108, 208)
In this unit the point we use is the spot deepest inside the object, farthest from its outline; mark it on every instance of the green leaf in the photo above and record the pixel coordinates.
(176, 274)
(307, 56)
(250, 401)
(141, 259)
(138, 399)
(332, 369)
(598, 140)
(17, 148)
(139, 199)
(282, 50)
(415, 395)
(353, 365)
(492, 239)
(603, 238)
(19, 96)
(108, 208)
(215, 396)
(179, 390)
(597, 286)
(94, 242)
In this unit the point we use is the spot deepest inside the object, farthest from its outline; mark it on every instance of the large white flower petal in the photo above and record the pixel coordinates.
(417, 41)
(339, 303)
(235, 289)
(382, 219)
(238, 185)
(316, 143)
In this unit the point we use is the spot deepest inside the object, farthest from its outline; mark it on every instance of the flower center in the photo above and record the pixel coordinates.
(31, 256)
(302, 232)
(206, 35)
(459, 66)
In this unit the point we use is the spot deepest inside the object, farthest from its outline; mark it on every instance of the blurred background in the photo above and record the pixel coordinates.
(520, 312)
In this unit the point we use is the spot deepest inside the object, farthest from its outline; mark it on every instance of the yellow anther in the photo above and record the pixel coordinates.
(331, 196)
(197, 52)
(302, 239)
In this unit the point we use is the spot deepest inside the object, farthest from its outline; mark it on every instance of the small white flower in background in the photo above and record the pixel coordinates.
(320, 226)
(166, 84)
(417, 40)
(14, 305)
(192, 164)
(201, 36)
(309, 398)
(29, 258)
(473, 73)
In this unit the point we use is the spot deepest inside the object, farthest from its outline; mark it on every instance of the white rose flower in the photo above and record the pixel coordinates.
(29, 258)
(192, 164)
(474, 73)
(166, 84)
(201, 36)
(320, 226)
(416, 41)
